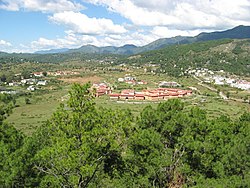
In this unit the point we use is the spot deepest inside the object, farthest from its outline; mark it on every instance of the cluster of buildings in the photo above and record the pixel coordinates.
(219, 78)
(241, 84)
(201, 72)
(29, 81)
(154, 94)
(161, 93)
(101, 89)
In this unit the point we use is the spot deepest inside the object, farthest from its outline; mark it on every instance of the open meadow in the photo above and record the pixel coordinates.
(27, 117)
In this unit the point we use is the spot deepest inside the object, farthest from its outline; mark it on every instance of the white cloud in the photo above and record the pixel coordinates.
(4, 43)
(164, 32)
(41, 5)
(181, 14)
(82, 24)
(72, 40)
(5, 46)
(148, 20)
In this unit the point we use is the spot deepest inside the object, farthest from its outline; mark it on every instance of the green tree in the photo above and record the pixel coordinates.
(26, 74)
(3, 78)
(81, 143)
(45, 73)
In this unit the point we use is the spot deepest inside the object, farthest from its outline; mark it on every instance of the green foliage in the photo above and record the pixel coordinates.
(27, 101)
(26, 74)
(7, 103)
(82, 142)
(168, 146)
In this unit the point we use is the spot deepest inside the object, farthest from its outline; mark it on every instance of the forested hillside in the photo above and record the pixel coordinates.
(82, 145)
(53, 58)
(229, 55)
(232, 56)
(239, 32)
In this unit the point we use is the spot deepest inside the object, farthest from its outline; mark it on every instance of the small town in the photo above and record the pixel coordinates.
(219, 78)
(124, 94)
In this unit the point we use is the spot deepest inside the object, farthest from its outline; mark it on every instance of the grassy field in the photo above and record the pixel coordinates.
(216, 107)
(27, 117)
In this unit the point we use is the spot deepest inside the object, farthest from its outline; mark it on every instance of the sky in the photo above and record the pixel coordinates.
(34, 25)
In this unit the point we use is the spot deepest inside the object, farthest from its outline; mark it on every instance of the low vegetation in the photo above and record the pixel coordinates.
(83, 145)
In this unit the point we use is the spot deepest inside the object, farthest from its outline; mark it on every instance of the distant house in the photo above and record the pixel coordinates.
(120, 79)
(139, 96)
(101, 89)
(13, 84)
(193, 88)
(127, 94)
(29, 81)
(42, 83)
(9, 92)
(38, 74)
(230, 81)
(114, 96)
(142, 82)
(131, 82)
(129, 78)
(168, 84)
(173, 94)
(31, 88)
(24, 81)
(153, 96)
(241, 85)
(218, 82)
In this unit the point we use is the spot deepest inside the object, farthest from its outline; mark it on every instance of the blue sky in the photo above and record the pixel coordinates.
(32, 25)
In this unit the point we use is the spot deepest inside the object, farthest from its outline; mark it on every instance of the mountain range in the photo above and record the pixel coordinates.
(239, 32)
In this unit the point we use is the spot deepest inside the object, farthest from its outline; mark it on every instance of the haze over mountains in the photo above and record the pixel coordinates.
(239, 32)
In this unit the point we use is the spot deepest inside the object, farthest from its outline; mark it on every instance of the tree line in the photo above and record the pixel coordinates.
(83, 145)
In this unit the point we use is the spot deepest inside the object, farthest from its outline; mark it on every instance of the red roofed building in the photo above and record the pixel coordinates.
(101, 89)
(114, 96)
(155, 94)
(140, 96)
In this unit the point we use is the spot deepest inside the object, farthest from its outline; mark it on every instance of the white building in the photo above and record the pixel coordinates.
(218, 80)
(168, 84)
(31, 88)
(120, 79)
(241, 85)
(42, 83)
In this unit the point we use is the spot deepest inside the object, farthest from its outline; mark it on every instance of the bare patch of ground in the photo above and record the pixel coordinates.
(82, 80)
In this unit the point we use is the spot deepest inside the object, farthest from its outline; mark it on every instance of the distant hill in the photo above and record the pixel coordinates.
(231, 55)
(94, 52)
(52, 51)
(125, 50)
(239, 32)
